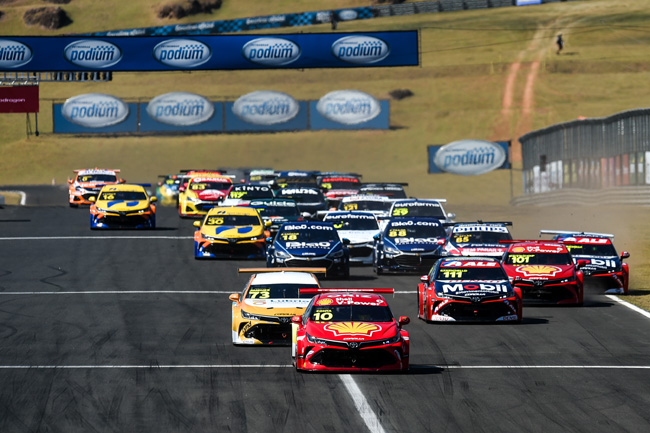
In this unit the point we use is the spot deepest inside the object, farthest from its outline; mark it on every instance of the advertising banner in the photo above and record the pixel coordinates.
(468, 157)
(185, 112)
(528, 2)
(226, 52)
(19, 99)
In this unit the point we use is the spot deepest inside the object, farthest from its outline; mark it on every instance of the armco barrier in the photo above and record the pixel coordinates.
(632, 196)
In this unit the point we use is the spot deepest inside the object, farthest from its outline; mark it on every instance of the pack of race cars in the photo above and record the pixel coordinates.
(305, 223)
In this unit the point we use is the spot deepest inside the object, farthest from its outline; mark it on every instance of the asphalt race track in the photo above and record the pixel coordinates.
(123, 331)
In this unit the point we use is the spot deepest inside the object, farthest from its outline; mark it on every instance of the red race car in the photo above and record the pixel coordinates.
(545, 271)
(349, 330)
(604, 266)
(468, 289)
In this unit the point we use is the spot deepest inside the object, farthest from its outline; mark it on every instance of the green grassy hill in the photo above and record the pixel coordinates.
(458, 91)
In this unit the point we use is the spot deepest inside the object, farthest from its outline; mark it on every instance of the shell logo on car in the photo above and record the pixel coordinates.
(352, 328)
(538, 270)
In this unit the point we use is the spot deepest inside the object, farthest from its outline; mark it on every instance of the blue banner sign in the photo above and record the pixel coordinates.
(184, 112)
(468, 157)
(290, 51)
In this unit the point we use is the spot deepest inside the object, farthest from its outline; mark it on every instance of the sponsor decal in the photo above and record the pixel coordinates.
(348, 14)
(307, 227)
(597, 241)
(90, 53)
(460, 289)
(349, 107)
(95, 110)
(410, 241)
(464, 229)
(469, 264)
(14, 54)
(470, 157)
(271, 51)
(352, 328)
(180, 109)
(182, 53)
(360, 49)
(538, 270)
(265, 107)
(325, 301)
(414, 223)
(308, 245)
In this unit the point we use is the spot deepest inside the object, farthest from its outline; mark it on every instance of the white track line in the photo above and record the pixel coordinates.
(630, 306)
(346, 378)
(58, 238)
(23, 196)
(360, 402)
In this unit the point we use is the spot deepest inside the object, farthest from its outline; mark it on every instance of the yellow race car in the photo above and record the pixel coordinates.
(201, 194)
(262, 312)
(230, 231)
(122, 206)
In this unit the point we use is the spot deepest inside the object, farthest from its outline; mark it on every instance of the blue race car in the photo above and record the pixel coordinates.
(309, 244)
(408, 245)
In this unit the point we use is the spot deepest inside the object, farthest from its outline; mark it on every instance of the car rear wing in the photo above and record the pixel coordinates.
(99, 169)
(316, 291)
(531, 241)
(267, 270)
(566, 232)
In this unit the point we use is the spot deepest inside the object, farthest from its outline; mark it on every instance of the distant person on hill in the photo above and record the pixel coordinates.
(333, 19)
(560, 43)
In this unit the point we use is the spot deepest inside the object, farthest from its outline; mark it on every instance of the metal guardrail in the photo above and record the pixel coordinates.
(631, 195)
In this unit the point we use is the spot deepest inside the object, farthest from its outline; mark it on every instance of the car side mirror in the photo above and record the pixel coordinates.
(581, 264)
(70, 181)
(297, 320)
(424, 278)
(92, 199)
(234, 297)
(346, 241)
(197, 224)
(153, 199)
(404, 320)
(268, 223)
(376, 237)
(625, 255)
(451, 215)
(269, 240)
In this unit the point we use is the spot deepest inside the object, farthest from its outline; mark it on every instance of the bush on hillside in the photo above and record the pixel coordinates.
(188, 7)
(51, 18)
(58, 2)
(400, 93)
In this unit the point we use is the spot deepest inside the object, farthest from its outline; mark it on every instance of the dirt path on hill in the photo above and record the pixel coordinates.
(517, 108)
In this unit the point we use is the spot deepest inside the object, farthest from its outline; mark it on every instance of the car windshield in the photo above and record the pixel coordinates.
(471, 273)
(538, 259)
(591, 250)
(480, 237)
(369, 205)
(309, 235)
(285, 211)
(353, 223)
(251, 192)
(415, 231)
(97, 178)
(354, 313)
(123, 195)
(418, 210)
(202, 186)
(232, 220)
(279, 291)
(393, 192)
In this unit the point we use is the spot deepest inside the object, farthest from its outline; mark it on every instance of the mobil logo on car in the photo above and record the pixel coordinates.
(266, 107)
(91, 53)
(182, 53)
(360, 49)
(271, 51)
(349, 107)
(14, 54)
(180, 109)
(95, 110)
(470, 157)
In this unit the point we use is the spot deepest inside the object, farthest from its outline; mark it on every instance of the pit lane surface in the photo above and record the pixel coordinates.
(125, 331)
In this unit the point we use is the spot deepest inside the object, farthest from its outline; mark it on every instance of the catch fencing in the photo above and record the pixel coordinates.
(597, 153)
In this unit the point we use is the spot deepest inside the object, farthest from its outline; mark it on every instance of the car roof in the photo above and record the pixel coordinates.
(87, 171)
(198, 179)
(367, 197)
(470, 259)
(233, 210)
(288, 277)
